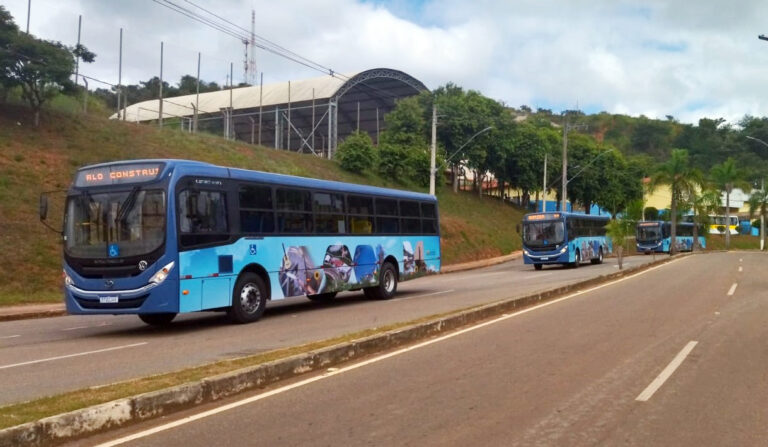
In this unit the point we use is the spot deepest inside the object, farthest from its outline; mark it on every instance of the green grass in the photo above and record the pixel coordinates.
(738, 242)
(45, 159)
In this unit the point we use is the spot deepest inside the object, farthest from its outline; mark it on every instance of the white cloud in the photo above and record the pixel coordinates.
(637, 57)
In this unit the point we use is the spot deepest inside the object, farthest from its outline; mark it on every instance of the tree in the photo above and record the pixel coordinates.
(356, 153)
(8, 33)
(758, 205)
(702, 204)
(682, 180)
(727, 176)
(619, 230)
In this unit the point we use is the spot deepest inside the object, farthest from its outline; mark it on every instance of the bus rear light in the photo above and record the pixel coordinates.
(185, 292)
(161, 274)
(187, 276)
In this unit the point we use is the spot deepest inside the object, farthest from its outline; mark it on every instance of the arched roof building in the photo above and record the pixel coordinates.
(307, 116)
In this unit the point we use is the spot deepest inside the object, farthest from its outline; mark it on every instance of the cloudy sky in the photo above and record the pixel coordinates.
(655, 58)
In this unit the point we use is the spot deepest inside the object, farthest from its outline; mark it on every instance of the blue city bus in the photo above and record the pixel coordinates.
(564, 238)
(161, 237)
(654, 236)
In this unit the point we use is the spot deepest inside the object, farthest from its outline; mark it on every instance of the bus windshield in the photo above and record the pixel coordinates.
(543, 233)
(649, 233)
(115, 224)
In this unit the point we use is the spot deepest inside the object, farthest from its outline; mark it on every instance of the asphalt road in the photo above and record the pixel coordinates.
(673, 356)
(48, 356)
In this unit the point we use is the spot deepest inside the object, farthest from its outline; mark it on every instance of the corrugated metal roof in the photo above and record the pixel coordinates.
(242, 98)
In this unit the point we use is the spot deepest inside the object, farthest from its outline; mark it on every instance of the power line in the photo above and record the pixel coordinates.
(263, 43)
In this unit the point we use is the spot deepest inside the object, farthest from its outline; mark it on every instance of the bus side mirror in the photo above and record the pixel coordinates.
(43, 206)
(517, 228)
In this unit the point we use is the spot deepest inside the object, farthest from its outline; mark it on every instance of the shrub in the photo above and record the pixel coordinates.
(356, 153)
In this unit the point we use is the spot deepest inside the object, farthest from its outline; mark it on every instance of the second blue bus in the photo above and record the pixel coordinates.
(655, 236)
(564, 238)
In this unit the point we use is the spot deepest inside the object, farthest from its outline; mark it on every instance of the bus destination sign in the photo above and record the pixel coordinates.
(648, 224)
(118, 174)
(543, 216)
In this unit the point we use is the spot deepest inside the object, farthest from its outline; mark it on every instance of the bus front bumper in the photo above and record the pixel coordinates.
(560, 256)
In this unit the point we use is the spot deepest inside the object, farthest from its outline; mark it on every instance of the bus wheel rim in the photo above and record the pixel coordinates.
(250, 298)
(389, 281)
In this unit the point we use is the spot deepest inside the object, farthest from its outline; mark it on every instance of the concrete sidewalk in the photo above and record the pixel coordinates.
(29, 311)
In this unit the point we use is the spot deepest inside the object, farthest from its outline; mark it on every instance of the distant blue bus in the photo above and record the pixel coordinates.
(564, 238)
(654, 236)
(160, 237)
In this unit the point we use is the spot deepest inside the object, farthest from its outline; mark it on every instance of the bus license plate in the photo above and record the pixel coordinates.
(108, 299)
(545, 259)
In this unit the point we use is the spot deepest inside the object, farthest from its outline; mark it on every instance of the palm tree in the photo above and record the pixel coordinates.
(682, 180)
(727, 176)
(758, 204)
(702, 205)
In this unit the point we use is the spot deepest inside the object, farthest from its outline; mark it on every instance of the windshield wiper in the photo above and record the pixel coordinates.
(127, 205)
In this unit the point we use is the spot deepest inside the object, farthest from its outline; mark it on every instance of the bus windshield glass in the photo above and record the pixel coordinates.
(115, 224)
(649, 233)
(538, 234)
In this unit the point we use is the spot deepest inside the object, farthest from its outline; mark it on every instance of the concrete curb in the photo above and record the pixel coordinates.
(24, 314)
(480, 263)
(67, 427)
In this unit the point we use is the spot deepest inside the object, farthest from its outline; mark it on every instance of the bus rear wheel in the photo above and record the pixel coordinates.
(157, 319)
(537, 266)
(387, 284)
(322, 297)
(249, 299)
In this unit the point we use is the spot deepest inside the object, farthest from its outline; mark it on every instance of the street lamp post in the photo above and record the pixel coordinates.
(433, 170)
(762, 190)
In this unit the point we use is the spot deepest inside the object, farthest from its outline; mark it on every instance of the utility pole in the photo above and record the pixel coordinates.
(77, 61)
(29, 9)
(160, 107)
(120, 74)
(197, 95)
(432, 151)
(563, 207)
(544, 196)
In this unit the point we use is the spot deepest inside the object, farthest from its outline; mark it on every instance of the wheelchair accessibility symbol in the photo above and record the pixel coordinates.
(252, 249)
(114, 251)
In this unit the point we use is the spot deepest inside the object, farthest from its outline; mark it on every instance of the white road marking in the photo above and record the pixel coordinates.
(328, 374)
(425, 294)
(732, 289)
(75, 328)
(740, 268)
(79, 354)
(667, 372)
(5, 337)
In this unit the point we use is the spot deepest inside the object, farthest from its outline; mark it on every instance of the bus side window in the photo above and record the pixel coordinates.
(202, 217)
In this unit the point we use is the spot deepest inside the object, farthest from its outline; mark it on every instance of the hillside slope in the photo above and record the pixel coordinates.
(45, 159)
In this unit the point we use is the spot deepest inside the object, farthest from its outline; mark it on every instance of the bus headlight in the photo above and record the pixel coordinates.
(161, 274)
(564, 249)
(525, 252)
(67, 280)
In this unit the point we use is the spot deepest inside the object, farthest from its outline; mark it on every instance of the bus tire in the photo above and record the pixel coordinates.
(599, 258)
(322, 297)
(249, 299)
(387, 284)
(537, 266)
(576, 263)
(162, 319)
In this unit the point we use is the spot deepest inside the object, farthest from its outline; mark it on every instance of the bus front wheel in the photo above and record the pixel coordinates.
(157, 319)
(387, 284)
(249, 299)
(578, 260)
